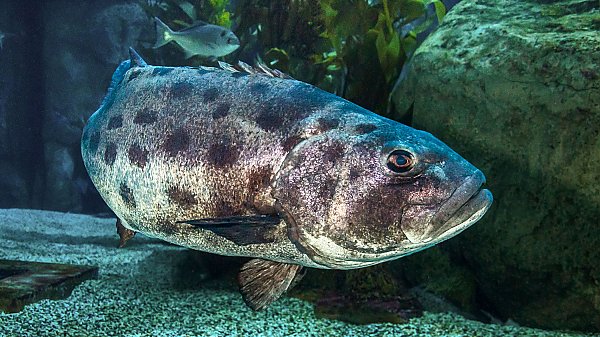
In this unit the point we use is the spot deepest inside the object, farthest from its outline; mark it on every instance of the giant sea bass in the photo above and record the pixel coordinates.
(246, 161)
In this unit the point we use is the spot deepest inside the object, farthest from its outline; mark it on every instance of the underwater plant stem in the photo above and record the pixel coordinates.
(387, 17)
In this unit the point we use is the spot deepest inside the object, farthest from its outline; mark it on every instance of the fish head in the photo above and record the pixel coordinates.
(227, 41)
(375, 190)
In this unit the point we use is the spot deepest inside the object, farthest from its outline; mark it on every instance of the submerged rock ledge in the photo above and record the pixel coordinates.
(514, 87)
(138, 292)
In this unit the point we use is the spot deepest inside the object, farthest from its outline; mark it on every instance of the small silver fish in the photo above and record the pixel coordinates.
(246, 161)
(202, 39)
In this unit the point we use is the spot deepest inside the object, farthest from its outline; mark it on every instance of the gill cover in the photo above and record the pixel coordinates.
(327, 189)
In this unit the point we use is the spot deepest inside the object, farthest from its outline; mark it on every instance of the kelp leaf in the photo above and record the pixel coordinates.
(409, 44)
(412, 9)
(388, 53)
(188, 9)
(440, 10)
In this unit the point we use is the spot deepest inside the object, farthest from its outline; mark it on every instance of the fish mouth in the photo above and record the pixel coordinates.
(467, 205)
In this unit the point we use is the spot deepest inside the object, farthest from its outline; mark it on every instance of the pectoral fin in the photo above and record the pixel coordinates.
(125, 234)
(262, 282)
(242, 230)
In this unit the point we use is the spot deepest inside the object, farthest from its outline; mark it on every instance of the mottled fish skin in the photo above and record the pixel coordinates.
(173, 144)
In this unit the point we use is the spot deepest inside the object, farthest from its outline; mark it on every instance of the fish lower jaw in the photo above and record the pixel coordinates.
(330, 255)
(480, 202)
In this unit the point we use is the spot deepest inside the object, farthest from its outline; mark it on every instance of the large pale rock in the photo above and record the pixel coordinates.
(514, 86)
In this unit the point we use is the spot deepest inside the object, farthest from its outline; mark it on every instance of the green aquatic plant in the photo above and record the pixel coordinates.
(362, 31)
(181, 12)
(354, 48)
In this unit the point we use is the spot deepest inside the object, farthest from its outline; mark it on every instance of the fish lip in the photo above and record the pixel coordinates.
(467, 205)
(469, 213)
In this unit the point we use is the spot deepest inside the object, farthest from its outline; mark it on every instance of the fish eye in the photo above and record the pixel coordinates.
(400, 161)
(229, 40)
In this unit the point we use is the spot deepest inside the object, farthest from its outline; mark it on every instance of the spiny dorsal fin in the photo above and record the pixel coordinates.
(262, 282)
(259, 69)
(136, 59)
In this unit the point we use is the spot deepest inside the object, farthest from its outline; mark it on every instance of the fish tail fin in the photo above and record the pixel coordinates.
(164, 34)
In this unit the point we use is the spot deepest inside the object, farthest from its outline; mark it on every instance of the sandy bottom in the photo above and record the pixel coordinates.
(137, 292)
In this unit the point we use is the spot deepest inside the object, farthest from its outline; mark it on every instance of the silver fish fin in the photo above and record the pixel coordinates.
(242, 230)
(259, 69)
(164, 34)
(262, 282)
(135, 59)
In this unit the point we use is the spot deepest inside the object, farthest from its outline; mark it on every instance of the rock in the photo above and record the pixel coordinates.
(397, 309)
(514, 86)
(20, 103)
(60, 187)
(84, 43)
(25, 282)
(359, 296)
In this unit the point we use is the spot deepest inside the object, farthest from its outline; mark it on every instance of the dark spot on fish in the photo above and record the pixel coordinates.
(175, 142)
(325, 189)
(145, 117)
(292, 110)
(115, 122)
(258, 88)
(221, 110)
(353, 174)
(93, 142)
(137, 156)
(181, 90)
(333, 151)
(365, 128)
(162, 70)
(181, 197)
(127, 195)
(290, 142)
(259, 179)
(327, 123)
(110, 154)
(270, 118)
(222, 208)
(169, 228)
(308, 96)
(239, 74)
(210, 94)
(134, 74)
(222, 153)
(368, 210)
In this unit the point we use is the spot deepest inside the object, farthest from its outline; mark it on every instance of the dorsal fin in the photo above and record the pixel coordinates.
(259, 69)
(136, 59)
(196, 24)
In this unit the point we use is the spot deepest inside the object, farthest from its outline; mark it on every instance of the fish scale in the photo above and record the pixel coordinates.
(246, 161)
